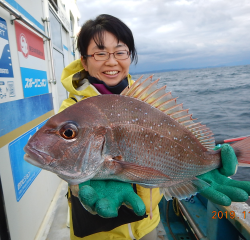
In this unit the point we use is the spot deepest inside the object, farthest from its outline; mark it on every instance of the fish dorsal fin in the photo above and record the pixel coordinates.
(147, 91)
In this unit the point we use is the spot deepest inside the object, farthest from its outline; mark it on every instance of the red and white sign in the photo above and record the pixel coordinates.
(29, 44)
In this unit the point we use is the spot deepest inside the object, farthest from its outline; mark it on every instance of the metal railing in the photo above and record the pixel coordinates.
(18, 16)
(47, 23)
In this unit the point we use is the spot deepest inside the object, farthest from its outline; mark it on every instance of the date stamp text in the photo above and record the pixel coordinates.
(230, 214)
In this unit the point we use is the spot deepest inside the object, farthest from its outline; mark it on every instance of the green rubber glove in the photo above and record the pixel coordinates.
(105, 197)
(224, 190)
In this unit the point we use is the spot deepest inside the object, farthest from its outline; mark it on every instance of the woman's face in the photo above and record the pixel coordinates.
(110, 71)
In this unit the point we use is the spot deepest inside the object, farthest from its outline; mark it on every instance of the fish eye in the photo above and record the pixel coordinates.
(68, 131)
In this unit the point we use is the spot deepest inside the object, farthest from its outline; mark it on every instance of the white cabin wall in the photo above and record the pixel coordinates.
(20, 114)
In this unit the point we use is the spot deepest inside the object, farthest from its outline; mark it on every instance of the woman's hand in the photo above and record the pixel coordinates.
(224, 190)
(106, 197)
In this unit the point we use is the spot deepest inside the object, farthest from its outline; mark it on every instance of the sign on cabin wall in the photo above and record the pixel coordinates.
(32, 61)
(7, 88)
(23, 172)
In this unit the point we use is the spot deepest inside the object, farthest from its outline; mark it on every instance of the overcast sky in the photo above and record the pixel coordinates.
(174, 34)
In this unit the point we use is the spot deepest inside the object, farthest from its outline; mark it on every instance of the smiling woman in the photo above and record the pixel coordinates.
(107, 49)
(111, 65)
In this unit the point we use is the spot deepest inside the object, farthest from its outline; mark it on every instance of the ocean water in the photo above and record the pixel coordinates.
(218, 97)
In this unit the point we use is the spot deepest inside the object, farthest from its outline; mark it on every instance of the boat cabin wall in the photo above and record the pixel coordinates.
(34, 49)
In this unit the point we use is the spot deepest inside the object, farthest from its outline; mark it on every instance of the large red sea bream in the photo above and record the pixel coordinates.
(141, 136)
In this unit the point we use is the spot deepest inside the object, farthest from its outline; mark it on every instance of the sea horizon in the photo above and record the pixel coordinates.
(183, 69)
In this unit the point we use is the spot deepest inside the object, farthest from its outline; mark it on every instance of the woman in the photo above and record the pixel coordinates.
(107, 49)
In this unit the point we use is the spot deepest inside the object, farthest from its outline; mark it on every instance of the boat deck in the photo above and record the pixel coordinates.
(59, 229)
(55, 226)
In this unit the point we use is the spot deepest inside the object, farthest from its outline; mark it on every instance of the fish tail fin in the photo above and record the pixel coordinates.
(184, 189)
(242, 151)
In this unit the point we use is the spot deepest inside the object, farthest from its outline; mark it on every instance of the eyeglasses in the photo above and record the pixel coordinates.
(103, 56)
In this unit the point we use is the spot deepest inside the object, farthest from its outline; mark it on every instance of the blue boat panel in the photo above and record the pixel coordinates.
(197, 212)
(169, 218)
(17, 113)
(202, 199)
(204, 222)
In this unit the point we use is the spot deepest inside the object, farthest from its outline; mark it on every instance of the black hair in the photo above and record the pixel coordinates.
(95, 29)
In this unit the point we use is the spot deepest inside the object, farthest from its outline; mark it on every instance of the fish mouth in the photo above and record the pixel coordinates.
(36, 157)
(30, 160)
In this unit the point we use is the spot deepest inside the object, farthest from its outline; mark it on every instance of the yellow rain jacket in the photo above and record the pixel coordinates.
(70, 78)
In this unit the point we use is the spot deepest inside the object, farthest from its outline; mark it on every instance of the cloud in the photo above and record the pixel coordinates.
(181, 33)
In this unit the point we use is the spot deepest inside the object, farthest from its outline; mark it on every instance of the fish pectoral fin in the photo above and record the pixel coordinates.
(184, 189)
(140, 174)
(92, 152)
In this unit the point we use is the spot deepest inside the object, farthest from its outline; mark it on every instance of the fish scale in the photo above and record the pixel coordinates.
(142, 136)
(132, 135)
(149, 121)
